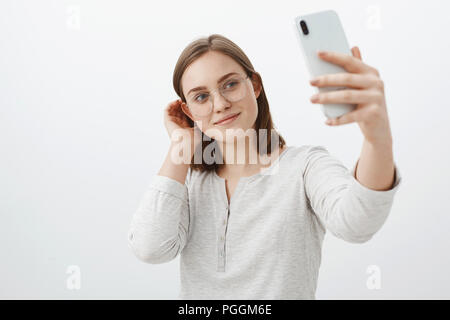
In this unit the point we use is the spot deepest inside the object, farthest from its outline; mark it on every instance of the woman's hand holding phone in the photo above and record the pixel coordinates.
(366, 92)
(349, 89)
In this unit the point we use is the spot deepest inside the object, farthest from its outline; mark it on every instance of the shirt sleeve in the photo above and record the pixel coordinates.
(159, 227)
(349, 210)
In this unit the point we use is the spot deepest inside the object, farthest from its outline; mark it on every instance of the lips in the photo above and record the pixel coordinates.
(230, 117)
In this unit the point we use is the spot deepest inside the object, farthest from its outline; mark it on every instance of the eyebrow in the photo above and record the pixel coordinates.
(218, 81)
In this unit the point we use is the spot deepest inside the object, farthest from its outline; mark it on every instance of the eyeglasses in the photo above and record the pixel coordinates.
(232, 89)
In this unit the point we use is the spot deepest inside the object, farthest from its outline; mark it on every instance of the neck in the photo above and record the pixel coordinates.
(242, 159)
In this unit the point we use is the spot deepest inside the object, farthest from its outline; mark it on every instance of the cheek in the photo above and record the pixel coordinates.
(209, 130)
(251, 113)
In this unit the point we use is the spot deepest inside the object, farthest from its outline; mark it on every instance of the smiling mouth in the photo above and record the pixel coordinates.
(228, 120)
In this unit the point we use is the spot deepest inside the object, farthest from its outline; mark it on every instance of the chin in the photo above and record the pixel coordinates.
(240, 134)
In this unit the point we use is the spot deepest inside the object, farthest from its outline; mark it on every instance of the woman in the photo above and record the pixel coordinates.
(250, 230)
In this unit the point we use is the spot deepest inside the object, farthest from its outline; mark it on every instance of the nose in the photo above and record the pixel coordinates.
(219, 102)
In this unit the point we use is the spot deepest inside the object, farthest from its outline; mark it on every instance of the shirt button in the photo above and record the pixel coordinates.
(221, 238)
(131, 236)
(224, 221)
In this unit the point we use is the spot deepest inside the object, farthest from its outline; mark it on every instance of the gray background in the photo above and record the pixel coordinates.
(83, 85)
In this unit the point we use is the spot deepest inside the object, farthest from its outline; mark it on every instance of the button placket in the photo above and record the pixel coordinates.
(221, 242)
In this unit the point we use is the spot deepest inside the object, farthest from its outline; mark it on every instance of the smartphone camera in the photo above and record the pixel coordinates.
(304, 27)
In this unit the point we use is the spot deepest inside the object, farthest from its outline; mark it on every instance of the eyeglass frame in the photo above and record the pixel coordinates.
(218, 89)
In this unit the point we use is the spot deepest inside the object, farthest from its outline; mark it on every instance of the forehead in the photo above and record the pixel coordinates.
(206, 70)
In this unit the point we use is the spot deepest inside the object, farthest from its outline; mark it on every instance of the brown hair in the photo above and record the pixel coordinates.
(217, 42)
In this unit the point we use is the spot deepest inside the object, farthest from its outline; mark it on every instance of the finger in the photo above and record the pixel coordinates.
(356, 53)
(348, 62)
(351, 80)
(345, 96)
(347, 118)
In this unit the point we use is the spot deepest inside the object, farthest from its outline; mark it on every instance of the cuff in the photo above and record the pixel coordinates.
(370, 192)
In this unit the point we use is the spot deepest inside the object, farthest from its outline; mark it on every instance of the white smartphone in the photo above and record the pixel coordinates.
(323, 31)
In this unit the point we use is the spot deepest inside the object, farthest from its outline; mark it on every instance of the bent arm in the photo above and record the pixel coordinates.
(159, 228)
(347, 208)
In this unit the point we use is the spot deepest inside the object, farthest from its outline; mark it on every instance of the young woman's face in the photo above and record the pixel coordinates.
(205, 72)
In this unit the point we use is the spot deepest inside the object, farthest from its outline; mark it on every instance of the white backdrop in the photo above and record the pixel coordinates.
(83, 85)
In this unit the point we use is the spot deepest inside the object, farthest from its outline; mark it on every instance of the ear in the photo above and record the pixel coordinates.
(186, 111)
(257, 87)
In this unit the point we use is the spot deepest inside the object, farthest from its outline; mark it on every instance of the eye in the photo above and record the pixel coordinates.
(196, 97)
(232, 83)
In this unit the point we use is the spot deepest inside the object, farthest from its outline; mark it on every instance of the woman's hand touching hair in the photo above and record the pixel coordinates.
(177, 124)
